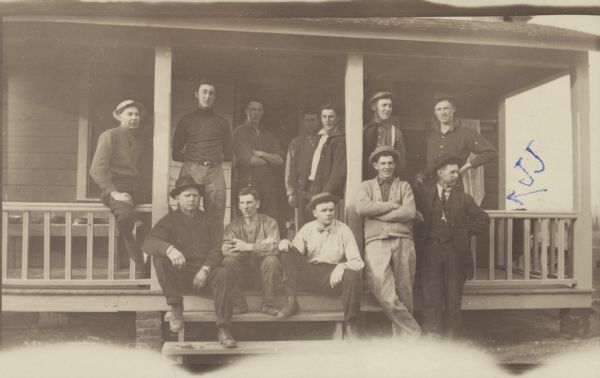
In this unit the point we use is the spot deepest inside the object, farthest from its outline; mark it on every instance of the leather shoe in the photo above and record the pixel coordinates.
(225, 338)
(352, 332)
(240, 310)
(176, 320)
(291, 308)
(270, 310)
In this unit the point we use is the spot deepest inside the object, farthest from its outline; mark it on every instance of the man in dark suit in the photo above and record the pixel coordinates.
(450, 217)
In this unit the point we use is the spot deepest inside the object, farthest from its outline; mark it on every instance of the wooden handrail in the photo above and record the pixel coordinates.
(64, 206)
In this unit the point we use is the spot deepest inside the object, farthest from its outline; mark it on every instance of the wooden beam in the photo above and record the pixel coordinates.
(354, 141)
(83, 136)
(163, 61)
(582, 172)
(502, 154)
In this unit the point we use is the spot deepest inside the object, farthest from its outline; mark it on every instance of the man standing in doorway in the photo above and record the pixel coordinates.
(202, 141)
(257, 154)
(448, 137)
(116, 169)
(300, 153)
(382, 131)
(450, 217)
(388, 207)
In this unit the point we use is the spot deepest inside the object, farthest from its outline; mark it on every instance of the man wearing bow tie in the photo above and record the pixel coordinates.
(323, 257)
(450, 217)
(388, 207)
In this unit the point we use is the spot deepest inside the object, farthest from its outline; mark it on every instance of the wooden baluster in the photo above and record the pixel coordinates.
(491, 250)
(561, 249)
(552, 251)
(111, 247)
(544, 249)
(68, 244)
(46, 245)
(526, 248)
(4, 262)
(90, 246)
(536, 245)
(25, 246)
(501, 238)
(509, 246)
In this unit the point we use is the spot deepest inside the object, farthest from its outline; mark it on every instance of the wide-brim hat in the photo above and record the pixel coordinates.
(128, 103)
(445, 159)
(379, 95)
(441, 96)
(381, 149)
(183, 183)
(322, 197)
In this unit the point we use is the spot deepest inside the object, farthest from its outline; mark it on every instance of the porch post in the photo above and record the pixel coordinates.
(162, 137)
(582, 170)
(354, 141)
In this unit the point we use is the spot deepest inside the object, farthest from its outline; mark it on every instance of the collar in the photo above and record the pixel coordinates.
(388, 181)
(184, 215)
(437, 127)
(204, 111)
(327, 229)
(439, 190)
(323, 132)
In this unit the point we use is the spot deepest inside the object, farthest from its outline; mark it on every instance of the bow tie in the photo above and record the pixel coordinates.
(323, 229)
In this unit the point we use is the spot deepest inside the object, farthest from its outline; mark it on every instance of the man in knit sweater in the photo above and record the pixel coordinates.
(388, 206)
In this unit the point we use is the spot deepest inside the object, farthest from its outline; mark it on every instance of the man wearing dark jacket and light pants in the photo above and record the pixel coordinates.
(187, 253)
(450, 217)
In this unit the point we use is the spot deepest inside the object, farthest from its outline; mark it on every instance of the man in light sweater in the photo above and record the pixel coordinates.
(388, 206)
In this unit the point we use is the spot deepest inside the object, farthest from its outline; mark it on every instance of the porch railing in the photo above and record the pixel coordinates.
(65, 244)
(525, 247)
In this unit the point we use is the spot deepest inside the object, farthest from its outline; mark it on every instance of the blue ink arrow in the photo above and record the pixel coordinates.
(543, 166)
(512, 196)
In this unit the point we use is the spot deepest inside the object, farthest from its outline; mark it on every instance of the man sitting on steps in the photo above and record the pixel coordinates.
(325, 258)
(187, 254)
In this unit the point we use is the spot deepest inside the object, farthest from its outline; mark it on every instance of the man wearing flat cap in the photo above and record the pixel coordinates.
(447, 136)
(323, 257)
(116, 169)
(451, 217)
(382, 131)
(388, 207)
(186, 246)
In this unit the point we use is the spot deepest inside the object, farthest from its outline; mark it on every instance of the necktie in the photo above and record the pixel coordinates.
(443, 199)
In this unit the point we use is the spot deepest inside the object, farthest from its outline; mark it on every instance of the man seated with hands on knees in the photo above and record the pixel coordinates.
(187, 255)
(324, 258)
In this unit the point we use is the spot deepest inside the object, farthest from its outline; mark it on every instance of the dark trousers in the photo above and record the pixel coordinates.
(125, 217)
(297, 271)
(443, 279)
(246, 270)
(175, 283)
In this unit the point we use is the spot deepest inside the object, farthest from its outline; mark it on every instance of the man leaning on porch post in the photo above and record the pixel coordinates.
(115, 168)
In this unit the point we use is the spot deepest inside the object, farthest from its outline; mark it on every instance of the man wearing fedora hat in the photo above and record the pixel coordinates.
(447, 136)
(323, 257)
(388, 207)
(202, 142)
(116, 169)
(186, 246)
(450, 217)
(382, 131)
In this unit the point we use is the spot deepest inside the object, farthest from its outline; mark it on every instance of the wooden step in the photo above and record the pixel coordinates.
(207, 316)
(214, 348)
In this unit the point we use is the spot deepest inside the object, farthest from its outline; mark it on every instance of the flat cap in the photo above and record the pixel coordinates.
(127, 103)
(444, 160)
(379, 96)
(322, 197)
(381, 149)
(440, 96)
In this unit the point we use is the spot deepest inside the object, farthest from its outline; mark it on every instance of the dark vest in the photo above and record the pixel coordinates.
(439, 229)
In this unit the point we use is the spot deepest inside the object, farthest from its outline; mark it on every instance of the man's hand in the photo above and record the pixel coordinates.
(200, 278)
(395, 205)
(121, 196)
(238, 245)
(284, 245)
(419, 216)
(336, 275)
(258, 153)
(177, 258)
(465, 167)
(293, 201)
(419, 179)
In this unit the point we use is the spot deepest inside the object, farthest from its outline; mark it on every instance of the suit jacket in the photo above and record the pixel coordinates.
(331, 171)
(463, 215)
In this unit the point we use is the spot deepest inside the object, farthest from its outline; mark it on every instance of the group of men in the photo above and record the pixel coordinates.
(191, 249)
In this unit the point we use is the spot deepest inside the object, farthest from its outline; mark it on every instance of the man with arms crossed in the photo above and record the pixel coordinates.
(388, 207)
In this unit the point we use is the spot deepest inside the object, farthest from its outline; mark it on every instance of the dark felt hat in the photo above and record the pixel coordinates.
(381, 149)
(379, 96)
(127, 103)
(443, 160)
(322, 197)
(183, 183)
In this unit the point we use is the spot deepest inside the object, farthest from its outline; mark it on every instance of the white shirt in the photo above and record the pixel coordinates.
(317, 155)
